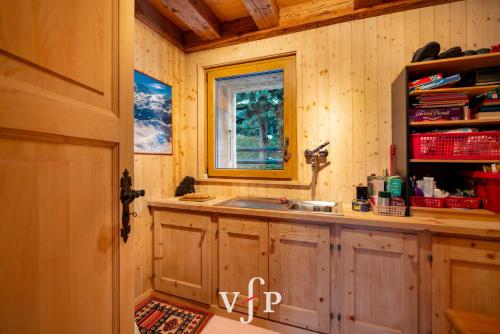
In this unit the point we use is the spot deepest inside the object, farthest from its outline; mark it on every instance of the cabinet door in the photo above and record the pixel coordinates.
(465, 276)
(299, 269)
(243, 254)
(182, 254)
(379, 273)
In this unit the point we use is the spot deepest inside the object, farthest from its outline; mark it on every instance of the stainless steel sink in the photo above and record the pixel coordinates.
(256, 203)
(317, 206)
(334, 208)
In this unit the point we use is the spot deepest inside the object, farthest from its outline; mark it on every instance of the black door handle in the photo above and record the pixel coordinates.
(127, 196)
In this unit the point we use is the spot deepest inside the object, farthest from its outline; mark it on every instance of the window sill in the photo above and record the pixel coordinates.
(276, 183)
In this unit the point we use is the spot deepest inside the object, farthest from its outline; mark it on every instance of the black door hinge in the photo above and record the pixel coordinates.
(339, 247)
(339, 317)
(331, 247)
(429, 258)
(331, 315)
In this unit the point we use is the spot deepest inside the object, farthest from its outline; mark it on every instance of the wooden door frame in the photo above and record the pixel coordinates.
(123, 88)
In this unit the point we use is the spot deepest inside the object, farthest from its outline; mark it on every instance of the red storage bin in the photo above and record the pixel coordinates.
(487, 188)
(428, 202)
(463, 202)
(456, 146)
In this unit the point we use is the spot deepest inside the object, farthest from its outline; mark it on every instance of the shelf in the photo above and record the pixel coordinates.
(453, 65)
(471, 91)
(455, 161)
(444, 124)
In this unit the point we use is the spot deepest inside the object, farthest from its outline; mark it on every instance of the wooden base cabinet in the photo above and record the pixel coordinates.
(299, 269)
(182, 254)
(243, 254)
(465, 276)
(379, 282)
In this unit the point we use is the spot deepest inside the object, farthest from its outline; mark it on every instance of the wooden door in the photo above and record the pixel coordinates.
(379, 288)
(182, 254)
(243, 254)
(66, 118)
(299, 269)
(466, 277)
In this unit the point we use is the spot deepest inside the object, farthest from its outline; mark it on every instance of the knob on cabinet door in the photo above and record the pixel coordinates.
(127, 196)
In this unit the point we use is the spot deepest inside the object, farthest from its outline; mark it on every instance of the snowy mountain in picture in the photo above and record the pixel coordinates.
(152, 115)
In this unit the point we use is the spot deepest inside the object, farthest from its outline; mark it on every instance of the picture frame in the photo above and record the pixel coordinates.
(152, 115)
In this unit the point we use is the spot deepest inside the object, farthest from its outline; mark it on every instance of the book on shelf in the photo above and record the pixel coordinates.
(425, 80)
(441, 83)
(489, 108)
(437, 114)
(491, 102)
(488, 76)
(486, 115)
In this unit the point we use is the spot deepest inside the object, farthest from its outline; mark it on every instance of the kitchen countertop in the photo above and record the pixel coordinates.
(453, 221)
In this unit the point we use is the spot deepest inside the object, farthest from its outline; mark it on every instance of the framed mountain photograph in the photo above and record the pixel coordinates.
(152, 115)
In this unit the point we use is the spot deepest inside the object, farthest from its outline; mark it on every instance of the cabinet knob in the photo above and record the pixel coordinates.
(272, 238)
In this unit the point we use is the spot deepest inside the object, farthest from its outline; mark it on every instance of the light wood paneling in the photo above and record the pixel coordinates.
(326, 57)
(65, 136)
(154, 173)
(357, 61)
(379, 273)
(465, 276)
(55, 231)
(243, 254)
(299, 269)
(182, 248)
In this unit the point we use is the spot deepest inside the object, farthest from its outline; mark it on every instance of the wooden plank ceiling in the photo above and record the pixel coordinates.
(194, 25)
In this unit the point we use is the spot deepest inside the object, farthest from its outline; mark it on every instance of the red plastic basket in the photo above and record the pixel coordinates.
(456, 146)
(428, 202)
(487, 188)
(463, 202)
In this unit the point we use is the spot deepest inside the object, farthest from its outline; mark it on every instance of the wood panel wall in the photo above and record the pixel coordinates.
(344, 74)
(158, 58)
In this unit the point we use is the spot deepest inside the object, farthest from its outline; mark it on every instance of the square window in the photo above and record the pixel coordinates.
(251, 119)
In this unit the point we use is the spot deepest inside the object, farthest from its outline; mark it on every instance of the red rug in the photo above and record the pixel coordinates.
(159, 316)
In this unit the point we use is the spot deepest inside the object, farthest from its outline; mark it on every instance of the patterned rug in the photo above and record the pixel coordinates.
(159, 316)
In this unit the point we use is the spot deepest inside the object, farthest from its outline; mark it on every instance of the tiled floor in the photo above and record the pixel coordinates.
(220, 325)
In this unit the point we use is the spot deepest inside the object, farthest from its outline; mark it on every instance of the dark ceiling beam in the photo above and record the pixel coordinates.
(233, 29)
(265, 13)
(358, 4)
(197, 16)
(159, 23)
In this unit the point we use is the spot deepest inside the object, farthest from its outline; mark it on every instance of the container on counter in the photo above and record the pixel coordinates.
(375, 184)
(384, 198)
(394, 185)
(361, 192)
(361, 205)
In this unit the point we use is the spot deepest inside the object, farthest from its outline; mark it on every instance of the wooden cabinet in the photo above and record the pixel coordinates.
(465, 276)
(299, 269)
(182, 254)
(379, 287)
(243, 254)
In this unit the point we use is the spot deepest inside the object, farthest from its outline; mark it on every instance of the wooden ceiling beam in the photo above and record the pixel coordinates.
(314, 14)
(265, 13)
(198, 16)
(358, 4)
(159, 23)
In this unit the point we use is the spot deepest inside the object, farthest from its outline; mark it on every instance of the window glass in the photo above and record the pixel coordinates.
(250, 121)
